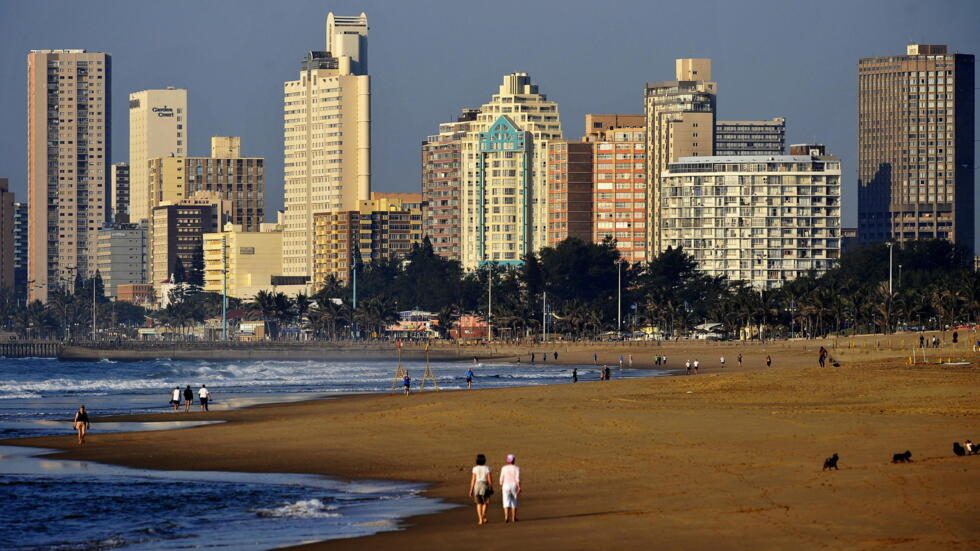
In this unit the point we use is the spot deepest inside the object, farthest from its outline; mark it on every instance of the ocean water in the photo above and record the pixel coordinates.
(72, 505)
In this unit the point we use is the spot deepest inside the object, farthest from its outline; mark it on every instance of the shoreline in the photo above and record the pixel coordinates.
(364, 436)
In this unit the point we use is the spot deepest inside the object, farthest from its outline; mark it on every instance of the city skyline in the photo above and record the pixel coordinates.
(413, 93)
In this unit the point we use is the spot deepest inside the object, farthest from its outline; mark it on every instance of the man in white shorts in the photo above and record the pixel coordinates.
(510, 488)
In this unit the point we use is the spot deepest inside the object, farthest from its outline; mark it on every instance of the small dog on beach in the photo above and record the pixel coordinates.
(902, 457)
(831, 463)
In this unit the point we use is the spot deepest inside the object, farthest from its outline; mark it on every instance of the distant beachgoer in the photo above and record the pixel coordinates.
(620, 362)
(607, 372)
(657, 360)
(175, 398)
(688, 365)
(188, 398)
(532, 357)
(481, 487)
(631, 360)
(204, 395)
(407, 383)
(574, 375)
(81, 424)
(544, 357)
(696, 364)
(956, 337)
(556, 355)
(822, 359)
(740, 359)
(922, 341)
(469, 379)
(722, 361)
(768, 360)
(510, 487)
(474, 360)
(595, 358)
(665, 361)
(935, 342)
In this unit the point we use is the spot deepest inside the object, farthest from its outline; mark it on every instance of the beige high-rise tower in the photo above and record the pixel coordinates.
(505, 174)
(327, 138)
(68, 157)
(680, 123)
(157, 128)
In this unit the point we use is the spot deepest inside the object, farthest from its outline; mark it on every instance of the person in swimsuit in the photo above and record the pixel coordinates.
(469, 379)
(510, 487)
(481, 488)
(188, 398)
(407, 383)
(81, 424)
(740, 359)
(574, 375)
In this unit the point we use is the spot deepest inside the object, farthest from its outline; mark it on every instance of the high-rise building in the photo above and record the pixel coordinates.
(381, 229)
(763, 220)
(7, 250)
(442, 183)
(916, 117)
(20, 244)
(122, 256)
(178, 237)
(597, 124)
(569, 191)
(238, 179)
(242, 263)
(157, 128)
(680, 122)
(750, 137)
(119, 179)
(620, 188)
(68, 154)
(327, 137)
(505, 174)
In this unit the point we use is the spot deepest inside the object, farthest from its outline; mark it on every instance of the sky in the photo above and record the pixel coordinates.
(428, 59)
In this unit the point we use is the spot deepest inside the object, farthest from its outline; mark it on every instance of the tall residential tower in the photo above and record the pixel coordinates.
(916, 146)
(327, 138)
(68, 155)
(157, 128)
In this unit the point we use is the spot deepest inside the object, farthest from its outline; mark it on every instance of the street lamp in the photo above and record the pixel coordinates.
(619, 296)
(891, 246)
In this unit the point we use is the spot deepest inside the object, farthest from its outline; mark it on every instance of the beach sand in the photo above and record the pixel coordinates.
(729, 459)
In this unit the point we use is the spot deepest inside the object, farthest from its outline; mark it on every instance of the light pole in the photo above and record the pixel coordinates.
(489, 300)
(93, 309)
(544, 316)
(899, 276)
(224, 286)
(619, 296)
(891, 246)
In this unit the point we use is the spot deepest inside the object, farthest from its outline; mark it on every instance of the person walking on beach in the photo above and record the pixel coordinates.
(595, 358)
(607, 372)
(510, 487)
(81, 424)
(739, 359)
(631, 361)
(688, 365)
(204, 395)
(532, 358)
(407, 383)
(620, 362)
(469, 379)
(188, 398)
(697, 364)
(657, 361)
(768, 360)
(574, 375)
(175, 399)
(922, 341)
(722, 361)
(556, 355)
(481, 487)
(822, 359)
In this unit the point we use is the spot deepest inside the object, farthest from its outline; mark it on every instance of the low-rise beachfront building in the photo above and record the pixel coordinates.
(240, 262)
(763, 220)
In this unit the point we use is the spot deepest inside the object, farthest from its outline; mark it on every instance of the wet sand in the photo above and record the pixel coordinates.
(728, 459)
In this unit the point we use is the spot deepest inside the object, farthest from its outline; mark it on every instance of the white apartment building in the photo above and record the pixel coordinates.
(763, 220)
(327, 138)
(122, 252)
(157, 128)
(505, 176)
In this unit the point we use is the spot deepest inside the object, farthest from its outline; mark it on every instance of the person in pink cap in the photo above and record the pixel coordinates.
(510, 487)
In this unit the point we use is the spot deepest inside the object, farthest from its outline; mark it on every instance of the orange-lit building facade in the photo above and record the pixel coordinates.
(620, 190)
(569, 191)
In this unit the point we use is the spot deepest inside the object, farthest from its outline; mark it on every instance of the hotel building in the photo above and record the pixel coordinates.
(157, 128)
(122, 256)
(178, 236)
(327, 137)
(381, 229)
(505, 174)
(680, 122)
(242, 262)
(68, 153)
(750, 137)
(916, 149)
(442, 183)
(569, 191)
(763, 220)
(620, 188)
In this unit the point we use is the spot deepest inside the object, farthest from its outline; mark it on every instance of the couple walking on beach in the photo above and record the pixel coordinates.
(481, 487)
